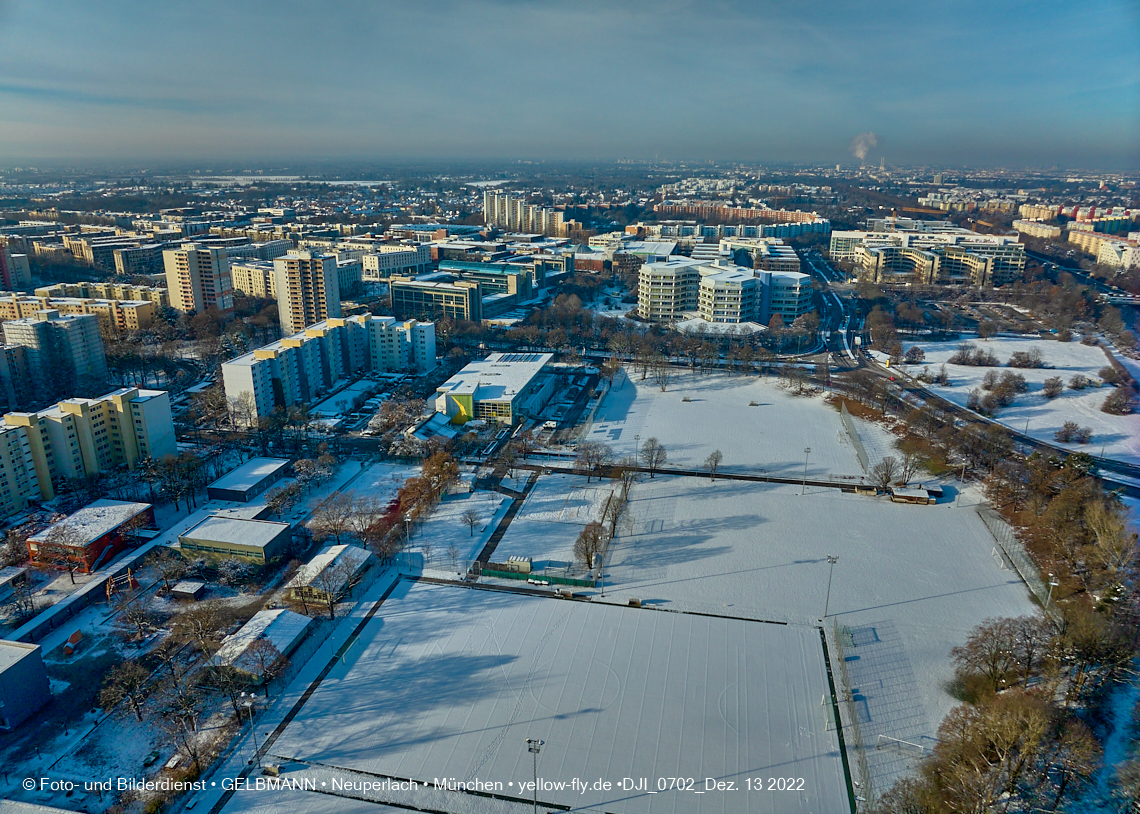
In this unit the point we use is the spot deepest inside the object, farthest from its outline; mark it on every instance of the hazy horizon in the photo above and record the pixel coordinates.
(967, 84)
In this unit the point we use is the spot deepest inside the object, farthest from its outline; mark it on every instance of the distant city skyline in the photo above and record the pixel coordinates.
(1016, 84)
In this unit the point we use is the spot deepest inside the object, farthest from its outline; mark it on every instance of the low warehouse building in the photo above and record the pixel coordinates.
(249, 480)
(281, 628)
(258, 540)
(24, 684)
(92, 536)
(326, 576)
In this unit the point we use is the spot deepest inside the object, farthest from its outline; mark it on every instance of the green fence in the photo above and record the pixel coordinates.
(578, 583)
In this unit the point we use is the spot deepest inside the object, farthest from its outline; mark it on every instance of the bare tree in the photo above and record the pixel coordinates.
(169, 564)
(126, 681)
(662, 373)
(266, 661)
(712, 463)
(883, 473)
(331, 582)
(181, 727)
(332, 517)
(589, 543)
(199, 625)
(367, 518)
(134, 616)
(626, 473)
(63, 547)
(592, 455)
(472, 518)
(911, 461)
(989, 651)
(653, 455)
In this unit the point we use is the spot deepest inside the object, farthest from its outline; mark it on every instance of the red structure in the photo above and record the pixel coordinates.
(91, 537)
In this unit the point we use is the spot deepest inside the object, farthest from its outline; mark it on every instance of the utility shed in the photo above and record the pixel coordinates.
(11, 578)
(327, 575)
(249, 480)
(282, 628)
(911, 495)
(258, 540)
(24, 684)
(188, 589)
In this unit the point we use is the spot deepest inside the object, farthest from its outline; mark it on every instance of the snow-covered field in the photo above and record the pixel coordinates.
(446, 528)
(911, 581)
(449, 682)
(770, 437)
(549, 522)
(1119, 435)
(383, 480)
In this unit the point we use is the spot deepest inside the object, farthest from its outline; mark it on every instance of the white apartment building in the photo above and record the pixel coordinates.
(386, 260)
(198, 278)
(60, 345)
(728, 296)
(402, 345)
(1119, 254)
(1035, 228)
(667, 289)
(721, 292)
(307, 287)
(304, 366)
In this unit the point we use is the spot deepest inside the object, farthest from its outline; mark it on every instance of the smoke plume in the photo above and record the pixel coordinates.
(863, 144)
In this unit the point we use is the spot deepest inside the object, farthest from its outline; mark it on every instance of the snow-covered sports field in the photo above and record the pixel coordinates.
(549, 522)
(911, 581)
(1118, 435)
(449, 682)
(770, 437)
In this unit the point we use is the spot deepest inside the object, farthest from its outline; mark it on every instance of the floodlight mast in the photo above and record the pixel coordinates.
(534, 746)
(832, 559)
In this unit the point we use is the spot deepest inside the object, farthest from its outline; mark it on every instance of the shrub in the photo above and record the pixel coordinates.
(236, 573)
(1079, 382)
(1090, 340)
(1053, 387)
(1072, 433)
(1064, 335)
(1121, 401)
(1110, 374)
(967, 354)
(1027, 358)
(990, 380)
(915, 356)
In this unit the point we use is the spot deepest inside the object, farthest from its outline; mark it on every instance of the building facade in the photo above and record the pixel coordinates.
(198, 278)
(420, 299)
(60, 348)
(78, 438)
(307, 289)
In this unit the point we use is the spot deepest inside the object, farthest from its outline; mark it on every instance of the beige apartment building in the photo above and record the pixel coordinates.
(78, 438)
(254, 278)
(107, 291)
(118, 315)
(668, 288)
(198, 278)
(307, 289)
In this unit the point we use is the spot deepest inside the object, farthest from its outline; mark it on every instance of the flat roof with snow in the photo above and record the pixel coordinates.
(501, 376)
(236, 531)
(95, 520)
(250, 474)
(449, 682)
(350, 558)
(282, 628)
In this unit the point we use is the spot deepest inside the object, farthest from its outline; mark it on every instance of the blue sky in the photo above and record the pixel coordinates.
(947, 82)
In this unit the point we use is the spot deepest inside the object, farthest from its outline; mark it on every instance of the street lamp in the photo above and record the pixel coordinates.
(534, 746)
(248, 705)
(832, 559)
(1049, 597)
(807, 452)
(408, 526)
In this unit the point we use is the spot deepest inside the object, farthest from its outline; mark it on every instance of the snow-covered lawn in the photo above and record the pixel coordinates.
(383, 480)
(445, 528)
(449, 682)
(911, 580)
(770, 437)
(1119, 435)
(547, 525)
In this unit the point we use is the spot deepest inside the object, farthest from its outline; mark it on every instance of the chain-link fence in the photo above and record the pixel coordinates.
(1014, 552)
(841, 641)
(853, 434)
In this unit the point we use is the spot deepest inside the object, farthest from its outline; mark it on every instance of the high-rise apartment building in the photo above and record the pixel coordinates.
(386, 260)
(307, 289)
(14, 270)
(63, 350)
(78, 438)
(511, 212)
(254, 278)
(301, 368)
(198, 278)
